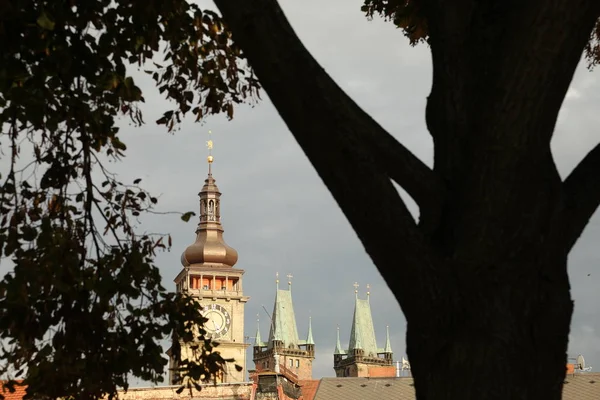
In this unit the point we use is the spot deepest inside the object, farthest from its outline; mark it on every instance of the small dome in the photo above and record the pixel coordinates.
(209, 248)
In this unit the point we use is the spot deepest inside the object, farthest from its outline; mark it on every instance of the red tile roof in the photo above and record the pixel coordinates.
(309, 388)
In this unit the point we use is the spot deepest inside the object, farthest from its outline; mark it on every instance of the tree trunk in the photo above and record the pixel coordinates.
(499, 340)
(482, 279)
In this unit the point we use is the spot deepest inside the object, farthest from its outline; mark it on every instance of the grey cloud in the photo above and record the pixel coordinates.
(281, 218)
(278, 214)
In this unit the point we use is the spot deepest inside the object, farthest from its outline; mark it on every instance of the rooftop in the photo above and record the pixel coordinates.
(585, 386)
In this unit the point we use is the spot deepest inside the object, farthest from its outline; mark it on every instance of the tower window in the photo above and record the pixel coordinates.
(297, 363)
(291, 363)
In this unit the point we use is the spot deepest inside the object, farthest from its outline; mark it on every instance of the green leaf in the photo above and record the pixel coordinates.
(186, 217)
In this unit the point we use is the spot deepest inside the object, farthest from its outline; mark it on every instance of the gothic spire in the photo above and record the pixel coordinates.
(338, 345)
(283, 326)
(257, 339)
(309, 337)
(362, 335)
(388, 343)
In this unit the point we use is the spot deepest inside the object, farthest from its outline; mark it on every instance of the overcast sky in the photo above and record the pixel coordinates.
(280, 217)
(278, 214)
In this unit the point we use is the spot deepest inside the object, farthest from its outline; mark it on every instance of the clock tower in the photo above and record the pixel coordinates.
(208, 274)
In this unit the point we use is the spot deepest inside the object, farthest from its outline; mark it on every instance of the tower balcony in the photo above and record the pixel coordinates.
(208, 283)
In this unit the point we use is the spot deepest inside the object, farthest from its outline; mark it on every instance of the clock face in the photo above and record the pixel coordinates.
(219, 320)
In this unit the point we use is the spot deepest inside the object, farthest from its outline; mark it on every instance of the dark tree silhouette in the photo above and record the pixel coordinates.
(481, 277)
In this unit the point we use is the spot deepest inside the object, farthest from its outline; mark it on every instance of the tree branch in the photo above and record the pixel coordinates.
(582, 196)
(354, 156)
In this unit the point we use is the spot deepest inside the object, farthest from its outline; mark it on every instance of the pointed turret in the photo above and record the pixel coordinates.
(284, 329)
(363, 358)
(284, 350)
(257, 340)
(362, 336)
(309, 336)
(388, 344)
(338, 345)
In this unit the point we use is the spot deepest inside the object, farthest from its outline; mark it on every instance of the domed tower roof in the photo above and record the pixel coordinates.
(210, 247)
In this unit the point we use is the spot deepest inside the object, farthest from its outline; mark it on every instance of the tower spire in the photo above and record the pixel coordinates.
(257, 339)
(283, 318)
(210, 247)
(388, 343)
(338, 345)
(284, 343)
(309, 337)
(362, 336)
(209, 159)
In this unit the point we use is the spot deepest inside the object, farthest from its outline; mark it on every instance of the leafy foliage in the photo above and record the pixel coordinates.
(83, 307)
(408, 16)
(592, 50)
(405, 14)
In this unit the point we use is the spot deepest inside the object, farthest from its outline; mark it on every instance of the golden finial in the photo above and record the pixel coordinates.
(290, 276)
(209, 146)
(368, 289)
(356, 287)
(277, 279)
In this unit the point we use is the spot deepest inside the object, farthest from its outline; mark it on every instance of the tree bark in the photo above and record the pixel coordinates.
(502, 338)
(582, 196)
(483, 280)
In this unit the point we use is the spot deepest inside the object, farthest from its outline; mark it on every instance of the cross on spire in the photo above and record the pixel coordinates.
(277, 279)
(368, 289)
(290, 276)
(356, 285)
